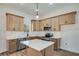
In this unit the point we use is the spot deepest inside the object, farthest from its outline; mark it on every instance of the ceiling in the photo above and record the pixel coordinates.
(29, 8)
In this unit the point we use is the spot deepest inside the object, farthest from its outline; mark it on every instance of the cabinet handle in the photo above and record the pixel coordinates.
(65, 22)
(13, 29)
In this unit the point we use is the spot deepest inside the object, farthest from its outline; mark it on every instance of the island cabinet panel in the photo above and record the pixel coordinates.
(49, 51)
(14, 22)
(11, 45)
(33, 52)
(45, 52)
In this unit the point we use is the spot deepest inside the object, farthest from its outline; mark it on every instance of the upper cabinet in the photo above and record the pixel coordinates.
(14, 22)
(68, 18)
(35, 25)
(54, 22)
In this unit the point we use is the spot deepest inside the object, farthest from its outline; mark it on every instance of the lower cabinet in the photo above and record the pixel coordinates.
(57, 43)
(45, 52)
(11, 45)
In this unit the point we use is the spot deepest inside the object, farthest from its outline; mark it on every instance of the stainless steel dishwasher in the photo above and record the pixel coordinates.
(20, 46)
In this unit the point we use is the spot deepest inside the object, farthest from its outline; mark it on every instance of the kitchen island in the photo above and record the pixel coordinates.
(39, 47)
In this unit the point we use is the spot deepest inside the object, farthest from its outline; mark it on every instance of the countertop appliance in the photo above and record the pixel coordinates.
(47, 28)
(48, 36)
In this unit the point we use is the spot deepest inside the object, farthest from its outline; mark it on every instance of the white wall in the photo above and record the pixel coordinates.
(70, 37)
(2, 31)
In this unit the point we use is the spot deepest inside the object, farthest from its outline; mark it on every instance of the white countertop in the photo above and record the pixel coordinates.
(37, 44)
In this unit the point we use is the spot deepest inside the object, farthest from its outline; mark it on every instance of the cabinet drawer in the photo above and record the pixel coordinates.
(12, 45)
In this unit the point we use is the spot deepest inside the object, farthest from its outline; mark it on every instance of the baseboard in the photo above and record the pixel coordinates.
(69, 51)
(3, 52)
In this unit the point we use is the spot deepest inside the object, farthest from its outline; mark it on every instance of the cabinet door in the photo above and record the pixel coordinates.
(12, 45)
(43, 24)
(52, 24)
(10, 23)
(40, 25)
(56, 26)
(62, 20)
(70, 18)
(57, 43)
(37, 25)
(18, 23)
(33, 25)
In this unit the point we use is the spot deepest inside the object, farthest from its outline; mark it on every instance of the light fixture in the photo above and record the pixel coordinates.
(50, 3)
(37, 10)
(37, 15)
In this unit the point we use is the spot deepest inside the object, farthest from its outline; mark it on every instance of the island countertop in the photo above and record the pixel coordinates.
(37, 44)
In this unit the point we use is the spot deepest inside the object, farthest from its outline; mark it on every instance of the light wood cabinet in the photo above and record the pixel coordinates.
(40, 25)
(10, 23)
(57, 43)
(14, 22)
(35, 25)
(67, 19)
(45, 52)
(62, 20)
(11, 45)
(43, 24)
(70, 18)
(55, 22)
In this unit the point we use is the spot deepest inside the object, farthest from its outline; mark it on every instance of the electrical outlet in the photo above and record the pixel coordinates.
(65, 43)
